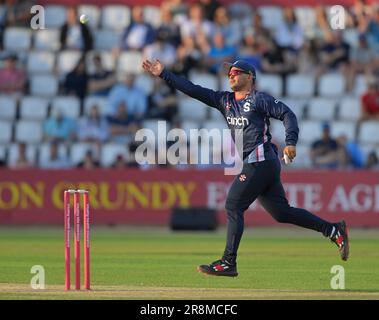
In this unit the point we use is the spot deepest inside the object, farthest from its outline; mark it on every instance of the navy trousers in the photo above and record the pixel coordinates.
(262, 180)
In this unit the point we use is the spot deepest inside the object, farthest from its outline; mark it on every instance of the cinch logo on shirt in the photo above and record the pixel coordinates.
(237, 121)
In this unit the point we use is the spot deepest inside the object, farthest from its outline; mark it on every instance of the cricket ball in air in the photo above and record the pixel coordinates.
(83, 18)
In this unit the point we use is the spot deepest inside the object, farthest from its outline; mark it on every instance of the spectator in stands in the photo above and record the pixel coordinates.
(289, 35)
(361, 58)
(334, 53)
(230, 30)
(209, 8)
(371, 28)
(93, 127)
(161, 49)
(119, 163)
(89, 161)
(372, 162)
(278, 61)
(218, 53)
(138, 34)
(12, 79)
(76, 81)
(370, 101)
(17, 13)
(169, 27)
(258, 27)
(188, 56)
(178, 9)
(163, 102)
(122, 125)
(75, 35)
(59, 128)
(324, 152)
(196, 27)
(55, 160)
(307, 58)
(251, 49)
(102, 80)
(131, 95)
(22, 161)
(350, 155)
(131, 159)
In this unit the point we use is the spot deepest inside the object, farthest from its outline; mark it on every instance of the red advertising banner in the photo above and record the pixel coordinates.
(134, 196)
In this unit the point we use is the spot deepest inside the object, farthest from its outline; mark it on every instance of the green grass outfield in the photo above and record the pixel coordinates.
(155, 263)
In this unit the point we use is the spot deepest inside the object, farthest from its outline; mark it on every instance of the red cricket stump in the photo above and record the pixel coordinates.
(86, 224)
(77, 238)
(67, 239)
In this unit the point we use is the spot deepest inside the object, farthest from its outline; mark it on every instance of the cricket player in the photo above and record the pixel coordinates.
(250, 110)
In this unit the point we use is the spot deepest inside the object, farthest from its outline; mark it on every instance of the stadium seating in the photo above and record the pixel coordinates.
(44, 152)
(34, 108)
(46, 39)
(322, 109)
(115, 17)
(190, 109)
(78, 151)
(17, 39)
(93, 14)
(55, 16)
(44, 85)
(300, 86)
(31, 153)
(106, 39)
(6, 132)
(130, 62)
(69, 105)
(100, 102)
(110, 151)
(40, 62)
(350, 108)
(332, 85)
(28, 131)
(368, 132)
(8, 107)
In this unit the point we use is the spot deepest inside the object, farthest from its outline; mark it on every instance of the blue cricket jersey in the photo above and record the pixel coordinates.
(251, 114)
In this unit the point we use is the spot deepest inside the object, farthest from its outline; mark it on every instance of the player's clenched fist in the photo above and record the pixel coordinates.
(154, 67)
(290, 151)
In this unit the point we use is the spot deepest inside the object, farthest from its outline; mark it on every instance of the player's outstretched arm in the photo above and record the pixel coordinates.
(154, 67)
(208, 96)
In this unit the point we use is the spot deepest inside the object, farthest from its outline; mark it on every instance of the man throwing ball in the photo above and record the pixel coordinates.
(250, 110)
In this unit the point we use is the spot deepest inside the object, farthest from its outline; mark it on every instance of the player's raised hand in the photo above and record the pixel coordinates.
(154, 67)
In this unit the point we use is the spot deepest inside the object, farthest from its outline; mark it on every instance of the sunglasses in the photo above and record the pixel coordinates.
(236, 72)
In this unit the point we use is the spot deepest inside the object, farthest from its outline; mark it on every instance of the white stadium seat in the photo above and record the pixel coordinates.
(309, 131)
(46, 39)
(34, 108)
(351, 36)
(78, 151)
(300, 85)
(92, 12)
(6, 131)
(350, 108)
(17, 39)
(130, 62)
(28, 131)
(360, 85)
(100, 102)
(346, 128)
(110, 151)
(204, 79)
(152, 14)
(40, 62)
(271, 84)
(191, 109)
(55, 16)
(106, 39)
(44, 85)
(67, 60)
(296, 105)
(8, 107)
(321, 109)
(277, 131)
(44, 152)
(272, 16)
(332, 85)
(302, 159)
(115, 17)
(368, 132)
(69, 105)
(31, 153)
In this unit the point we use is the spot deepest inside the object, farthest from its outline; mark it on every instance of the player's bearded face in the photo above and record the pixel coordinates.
(237, 79)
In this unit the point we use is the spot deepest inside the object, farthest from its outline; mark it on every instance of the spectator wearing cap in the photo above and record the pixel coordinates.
(75, 35)
(139, 33)
(101, 80)
(161, 49)
(324, 151)
(131, 95)
(12, 78)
